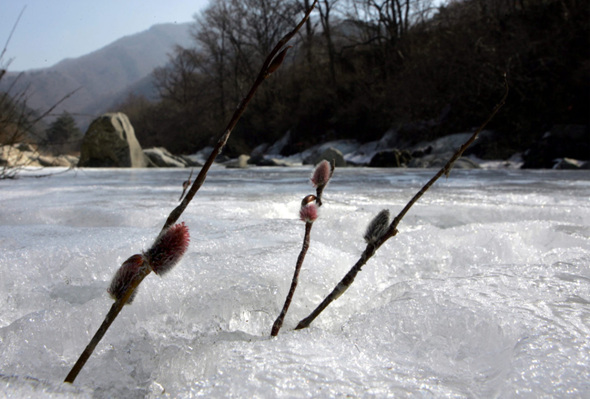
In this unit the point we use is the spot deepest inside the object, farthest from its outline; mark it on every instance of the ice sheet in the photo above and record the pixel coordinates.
(485, 291)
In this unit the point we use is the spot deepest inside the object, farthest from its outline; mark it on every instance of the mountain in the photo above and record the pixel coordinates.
(101, 77)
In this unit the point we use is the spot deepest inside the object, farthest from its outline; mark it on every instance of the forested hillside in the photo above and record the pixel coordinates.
(361, 67)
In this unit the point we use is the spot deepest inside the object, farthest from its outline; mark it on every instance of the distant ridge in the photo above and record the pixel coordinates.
(102, 76)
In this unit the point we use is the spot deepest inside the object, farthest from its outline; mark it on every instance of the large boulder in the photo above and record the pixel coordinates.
(110, 142)
(562, 141)
(393, 158)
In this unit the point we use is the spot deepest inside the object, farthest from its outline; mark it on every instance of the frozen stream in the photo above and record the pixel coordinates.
(485, 291)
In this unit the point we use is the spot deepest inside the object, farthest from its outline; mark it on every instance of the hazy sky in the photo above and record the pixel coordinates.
(51, 30)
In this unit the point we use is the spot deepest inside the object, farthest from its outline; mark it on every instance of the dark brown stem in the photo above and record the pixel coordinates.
(392, 230)
(340, 288)
(108, 320)
(279, 321)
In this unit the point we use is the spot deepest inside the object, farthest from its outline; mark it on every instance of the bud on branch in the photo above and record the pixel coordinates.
(276, 62)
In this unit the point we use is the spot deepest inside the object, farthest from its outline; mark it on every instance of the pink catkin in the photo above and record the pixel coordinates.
(308, 213)
(124, 277)
(321, 174)
(168, 248)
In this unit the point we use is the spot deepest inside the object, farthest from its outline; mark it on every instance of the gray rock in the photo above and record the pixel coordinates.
(391, 139)
(312, 155)
(199, 158)
(331, 155)
(162, 158)
(257, 154)
(562, 141)
(189, 160)
(393, 158)
(452, 142)
(440, 160)
(569, 163)
(270, 161)
(260, 150)
(278, 147)
(240, 162)
(110, 142)
(47, 160)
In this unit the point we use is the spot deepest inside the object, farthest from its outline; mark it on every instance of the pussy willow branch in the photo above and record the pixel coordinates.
(279, 321)
(392, 229)
(262, 75)
(272, 62)
(108, 320)
(320, 179)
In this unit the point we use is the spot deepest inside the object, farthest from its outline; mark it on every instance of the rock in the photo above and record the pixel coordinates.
(200, 157)
(277, 162)
(440, 160)
(562, 141)
(270, 161)
(110, 142)
(47, 160)
(240, 162)
(312, 155)
(71, 159)
(162, 158)
(259, 150)
(569, 163)
(362, 154)
(257, 154)
(331, 155)
(278, 147)
(461, 163)
(189, 160)
(420, 152)
(452, 142)
(392, 139)
(11, 156)
(26, 155)
(25, 147)
(390, 159)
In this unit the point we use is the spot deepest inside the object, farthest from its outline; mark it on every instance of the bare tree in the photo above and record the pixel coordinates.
(325, 8)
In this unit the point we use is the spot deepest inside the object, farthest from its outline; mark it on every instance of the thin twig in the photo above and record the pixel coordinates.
(307, 213)
(279, 321)
(392, 230)
(108, 320)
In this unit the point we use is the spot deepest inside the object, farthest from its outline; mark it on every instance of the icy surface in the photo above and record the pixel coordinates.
(485, 291)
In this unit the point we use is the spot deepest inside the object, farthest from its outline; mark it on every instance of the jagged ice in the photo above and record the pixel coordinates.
(485, 291)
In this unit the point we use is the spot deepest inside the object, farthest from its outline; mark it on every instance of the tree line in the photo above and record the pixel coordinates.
(360, 67)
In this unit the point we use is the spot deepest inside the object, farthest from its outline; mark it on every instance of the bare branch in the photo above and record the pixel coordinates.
(392, 230)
